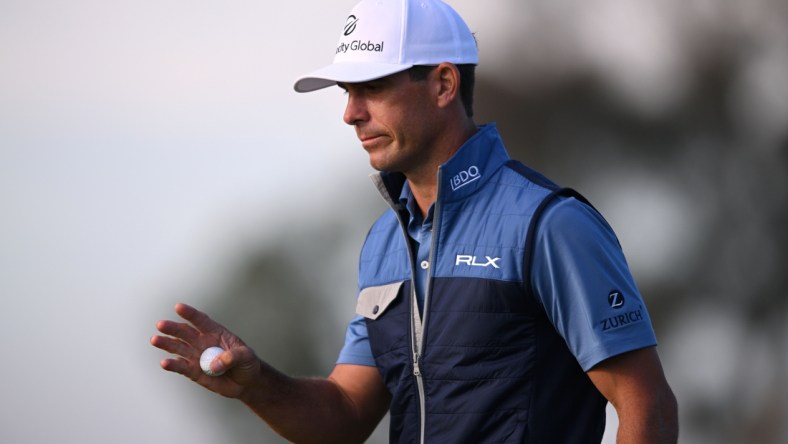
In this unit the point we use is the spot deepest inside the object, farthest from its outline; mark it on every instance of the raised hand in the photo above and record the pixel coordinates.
(187, 340)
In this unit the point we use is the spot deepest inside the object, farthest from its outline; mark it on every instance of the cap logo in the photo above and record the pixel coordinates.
(424, 32)
(350, 26)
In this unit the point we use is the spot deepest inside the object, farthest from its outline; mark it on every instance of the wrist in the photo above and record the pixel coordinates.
(262, 385)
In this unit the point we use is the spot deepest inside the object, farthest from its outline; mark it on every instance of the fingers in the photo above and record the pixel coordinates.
(200, 332)
(187, 341)
(174, 346)
(243, 358)
(186, 368)
(184, 339)
(179, 330)
(180, 365)
(187, 361)
(197, 318)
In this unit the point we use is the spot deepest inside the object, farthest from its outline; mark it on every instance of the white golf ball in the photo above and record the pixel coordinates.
(207, 357)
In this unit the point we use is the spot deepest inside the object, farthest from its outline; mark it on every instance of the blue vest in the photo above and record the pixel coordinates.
(482, 363)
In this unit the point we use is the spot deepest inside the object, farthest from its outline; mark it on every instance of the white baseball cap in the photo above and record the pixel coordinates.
(384, 37)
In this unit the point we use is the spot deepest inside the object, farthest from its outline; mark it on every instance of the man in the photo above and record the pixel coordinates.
(493, 306)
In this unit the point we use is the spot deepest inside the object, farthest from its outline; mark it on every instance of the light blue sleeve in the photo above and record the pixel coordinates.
(356, 349)
(582, 279)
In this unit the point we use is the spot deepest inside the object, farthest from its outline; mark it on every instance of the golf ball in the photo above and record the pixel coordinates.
(207, 357)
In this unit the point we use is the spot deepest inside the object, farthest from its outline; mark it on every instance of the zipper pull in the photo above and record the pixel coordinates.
(416, 369)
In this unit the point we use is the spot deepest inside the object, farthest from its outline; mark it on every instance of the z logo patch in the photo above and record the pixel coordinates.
(615, 299)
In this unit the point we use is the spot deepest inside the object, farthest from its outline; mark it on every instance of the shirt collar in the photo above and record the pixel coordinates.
(407, 200)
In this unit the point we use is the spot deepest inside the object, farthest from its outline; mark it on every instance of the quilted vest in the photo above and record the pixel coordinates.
(482, 363)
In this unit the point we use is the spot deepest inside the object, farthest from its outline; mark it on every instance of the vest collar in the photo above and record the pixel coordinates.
(464, 173)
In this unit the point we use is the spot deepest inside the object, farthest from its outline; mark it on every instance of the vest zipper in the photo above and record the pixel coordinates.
(420, 385)
(417, 334)
(418, 322)
(419, 349)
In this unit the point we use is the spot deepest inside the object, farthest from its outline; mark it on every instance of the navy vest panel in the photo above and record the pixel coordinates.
(391, 348)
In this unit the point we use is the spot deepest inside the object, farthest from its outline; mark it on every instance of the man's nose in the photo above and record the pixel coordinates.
(355, 110)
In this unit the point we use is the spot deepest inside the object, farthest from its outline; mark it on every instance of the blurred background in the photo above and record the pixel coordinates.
(153, 152)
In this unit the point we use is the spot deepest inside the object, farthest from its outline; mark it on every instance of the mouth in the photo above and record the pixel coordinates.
(367, 141)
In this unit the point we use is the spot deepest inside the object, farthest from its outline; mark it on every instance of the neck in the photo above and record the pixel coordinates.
(424, 183)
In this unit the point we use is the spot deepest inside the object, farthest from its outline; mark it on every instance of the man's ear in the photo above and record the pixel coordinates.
(447, 83)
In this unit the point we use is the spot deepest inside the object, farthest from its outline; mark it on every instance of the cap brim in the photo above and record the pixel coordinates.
(346, 72)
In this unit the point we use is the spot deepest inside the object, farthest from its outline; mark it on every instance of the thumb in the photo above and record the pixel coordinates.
(217, 366)
(242, 361)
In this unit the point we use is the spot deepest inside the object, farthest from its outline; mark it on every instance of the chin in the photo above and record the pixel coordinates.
(380, 168)
(378, 164)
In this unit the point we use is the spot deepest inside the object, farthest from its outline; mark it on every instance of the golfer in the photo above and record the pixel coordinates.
(493, 305)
